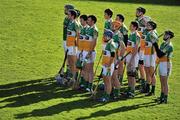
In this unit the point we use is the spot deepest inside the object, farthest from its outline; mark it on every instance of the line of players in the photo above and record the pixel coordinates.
(141, 48)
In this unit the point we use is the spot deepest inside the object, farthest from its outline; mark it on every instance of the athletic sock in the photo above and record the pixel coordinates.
(148, 88)
(76, 76)
(106, 95)
(86, 84)
(142, 81)
(90, 85)
(82, 81)
(120, 79)
(116, 92)
(153, 89)
(129, 89)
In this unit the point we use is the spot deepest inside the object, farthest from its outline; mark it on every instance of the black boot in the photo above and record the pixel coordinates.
(147, 88)
(161, 99)
(165, 99)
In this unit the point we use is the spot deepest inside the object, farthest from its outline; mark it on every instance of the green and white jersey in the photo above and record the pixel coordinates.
(152, 36)
(144, 33)
(111, 46)
(72, 28)
(92, 32)
(65, 24)
(143, 20)
(83, 30)
(124, 29)
(117, 37)
(167, 48)
(134, 38)
(108, 24)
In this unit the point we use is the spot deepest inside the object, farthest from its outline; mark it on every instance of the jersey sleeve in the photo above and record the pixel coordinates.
(121, 37)
(154, 37)
(112, 47)
(125, 31)
(138, 39)
(77, 27)
(170, 52)
(95, 34)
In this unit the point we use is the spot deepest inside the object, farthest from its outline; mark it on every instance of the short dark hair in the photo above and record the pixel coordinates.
(120, 17)
(73, 13)
(84, 17)
(141, 9)
(93, 18)
(109, 12)
(135, 24)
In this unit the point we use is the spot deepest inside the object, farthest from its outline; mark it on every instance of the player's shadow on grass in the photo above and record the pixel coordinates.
(105, 113)
(33, 91)
(82, 103)
(153, 2)
(20, 88)
(61, 107)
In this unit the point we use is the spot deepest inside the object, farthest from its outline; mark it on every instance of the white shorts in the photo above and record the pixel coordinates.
(64, 46)
(84, 54)
(141, 55)
(163, 71)
(135, 62)
(105, 70)
(150, 60)
(72, 50)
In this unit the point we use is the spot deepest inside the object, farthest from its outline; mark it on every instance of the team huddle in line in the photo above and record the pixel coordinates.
(138, 52)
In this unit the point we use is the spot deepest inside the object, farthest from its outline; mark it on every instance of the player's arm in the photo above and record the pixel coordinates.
(77, 29)
(135, 51)
(94, 42)
(122, 48)
(158, 51)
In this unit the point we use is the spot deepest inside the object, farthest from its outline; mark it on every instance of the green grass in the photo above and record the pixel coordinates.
(31, 53)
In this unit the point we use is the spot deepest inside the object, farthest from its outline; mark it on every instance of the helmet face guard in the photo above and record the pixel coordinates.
(170, 33)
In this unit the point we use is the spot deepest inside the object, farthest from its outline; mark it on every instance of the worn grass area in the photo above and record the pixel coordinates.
(31, 53)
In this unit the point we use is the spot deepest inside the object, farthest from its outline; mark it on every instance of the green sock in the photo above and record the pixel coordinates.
(106, 95)
(89, 85)
(116, 92)
(86, 84)
(132, 90)
(82, 81)
(142, 81)
(153, 89)
(120, 79)
(147, 88)
(76, 75)
(129, 89)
